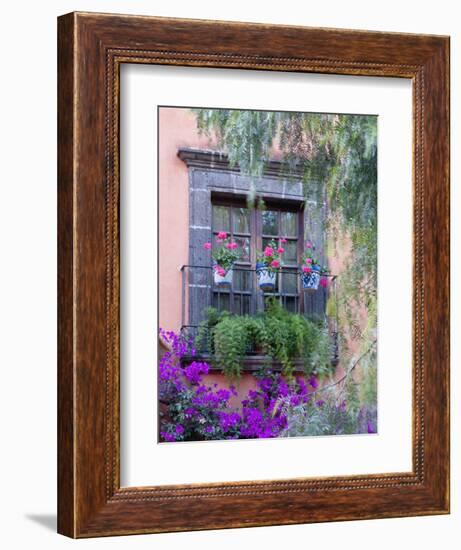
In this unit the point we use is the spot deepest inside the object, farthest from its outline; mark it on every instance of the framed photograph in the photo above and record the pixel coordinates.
(253, 275)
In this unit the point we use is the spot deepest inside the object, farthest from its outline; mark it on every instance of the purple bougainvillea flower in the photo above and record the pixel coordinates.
(302, 386)
(167, 437)
(313, 382)
(252, 394)
(295, 400)
(189, 412)
(223, 394)
(195, 370)
(228, 421)
(265, 384)
(283, 388)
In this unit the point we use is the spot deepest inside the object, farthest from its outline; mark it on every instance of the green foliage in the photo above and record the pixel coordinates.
(330, 418)
(278, 334)
(230, 344)
(293, 336)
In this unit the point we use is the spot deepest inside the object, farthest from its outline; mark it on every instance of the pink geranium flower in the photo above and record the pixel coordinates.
(275, 263)
(207, 246)
(308, 260)
(280, 250)
(283, 240)
(222, 235)
(308, 244)
(268, 251)
(307, 269)
(323, 282)
(231, 246)
(219, 270)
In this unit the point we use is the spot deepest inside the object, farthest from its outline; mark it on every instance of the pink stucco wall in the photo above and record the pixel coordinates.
(177, 128)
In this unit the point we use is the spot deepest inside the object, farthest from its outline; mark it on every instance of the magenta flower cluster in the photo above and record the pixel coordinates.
(272, 254)
(225, 253)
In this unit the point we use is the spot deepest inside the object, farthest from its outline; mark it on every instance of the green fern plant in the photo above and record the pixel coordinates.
(230, 344)
(204, 340)
(278, 334)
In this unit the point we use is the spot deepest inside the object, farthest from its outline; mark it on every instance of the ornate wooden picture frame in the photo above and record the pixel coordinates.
(92, 47)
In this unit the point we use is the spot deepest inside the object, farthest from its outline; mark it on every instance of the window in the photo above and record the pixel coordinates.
(215, 206)
(238, 221)
(277, 224)
(254, 229)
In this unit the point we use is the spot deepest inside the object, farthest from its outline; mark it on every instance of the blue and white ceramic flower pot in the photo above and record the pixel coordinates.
(267, 278)
(311, 280)
(222, 279)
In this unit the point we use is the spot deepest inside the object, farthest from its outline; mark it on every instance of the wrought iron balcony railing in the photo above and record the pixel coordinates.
(243, 295)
